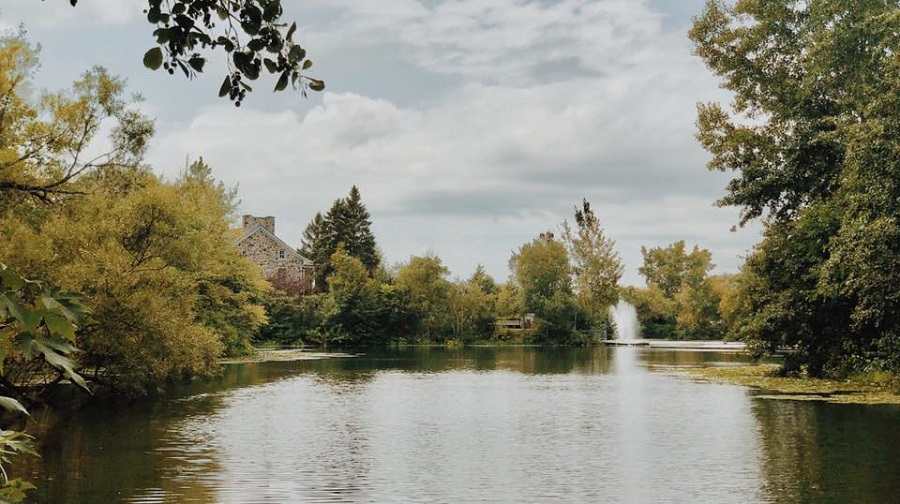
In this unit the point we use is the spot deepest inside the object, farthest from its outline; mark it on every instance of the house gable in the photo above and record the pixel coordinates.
(258, 237)
(280, 263)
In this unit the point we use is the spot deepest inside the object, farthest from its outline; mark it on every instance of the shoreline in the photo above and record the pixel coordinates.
(762, 378)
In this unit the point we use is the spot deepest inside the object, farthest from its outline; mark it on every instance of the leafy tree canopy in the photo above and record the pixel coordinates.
(671, 267)
(681, 299)
(153, 258)
(43, 141)
(543, 274)
(596, 266)
(425, 281)
(814, 138)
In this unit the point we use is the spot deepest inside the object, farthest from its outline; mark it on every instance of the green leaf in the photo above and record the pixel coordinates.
(184, 68)
(27, 318)
(197, 63)
(316, 84)
(250, 26)
(15, 441)
(252, 70)
(48, 349)
(297, 53)
(59, 326)
(6, 343)
(162, 35)
(10, 279)
(283, 80)
(241, 60)
(271, 11)
(153, 58)
(307, 64)
(226, 86)
(11, 404)
(67, 304)
(154, 15)
(271, 66)
(256, 44)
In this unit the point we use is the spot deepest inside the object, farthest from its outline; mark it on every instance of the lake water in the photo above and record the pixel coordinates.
(617, 425)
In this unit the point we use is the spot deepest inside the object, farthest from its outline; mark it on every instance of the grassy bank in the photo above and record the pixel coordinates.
(874, 388)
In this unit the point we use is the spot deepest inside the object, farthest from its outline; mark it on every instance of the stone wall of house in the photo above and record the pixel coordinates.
(268, 222)
(280, 265)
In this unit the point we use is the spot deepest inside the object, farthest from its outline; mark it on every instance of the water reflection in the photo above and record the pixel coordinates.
(461, 425)
(820, 453)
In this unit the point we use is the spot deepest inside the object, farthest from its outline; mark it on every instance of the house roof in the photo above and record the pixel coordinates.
(257, 228)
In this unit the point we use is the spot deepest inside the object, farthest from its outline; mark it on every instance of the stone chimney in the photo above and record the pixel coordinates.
(268, 222)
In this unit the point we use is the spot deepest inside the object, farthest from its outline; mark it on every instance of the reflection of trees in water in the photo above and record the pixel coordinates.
(529, 360)
(158, 448)
(667, 357)
(112, 454)
(790, 452)
(815, 452)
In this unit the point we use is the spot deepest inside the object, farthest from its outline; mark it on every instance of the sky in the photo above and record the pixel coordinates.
(469, 126)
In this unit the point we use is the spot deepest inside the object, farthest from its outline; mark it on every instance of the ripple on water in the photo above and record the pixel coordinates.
(619, 434)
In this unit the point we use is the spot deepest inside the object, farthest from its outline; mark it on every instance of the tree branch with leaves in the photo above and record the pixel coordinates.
(251, 32)
(43, 145)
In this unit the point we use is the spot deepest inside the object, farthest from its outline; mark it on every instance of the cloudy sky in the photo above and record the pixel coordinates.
(469, 126)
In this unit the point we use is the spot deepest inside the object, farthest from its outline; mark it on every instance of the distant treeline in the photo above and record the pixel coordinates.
(566, 285)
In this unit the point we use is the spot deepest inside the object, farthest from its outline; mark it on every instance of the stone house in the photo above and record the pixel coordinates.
(281, 264)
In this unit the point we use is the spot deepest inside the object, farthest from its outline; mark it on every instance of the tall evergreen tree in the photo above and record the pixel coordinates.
(346, 222)
(359, 240)
(315, 248)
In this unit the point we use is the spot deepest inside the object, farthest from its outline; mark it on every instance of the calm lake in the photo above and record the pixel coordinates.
(471, 425)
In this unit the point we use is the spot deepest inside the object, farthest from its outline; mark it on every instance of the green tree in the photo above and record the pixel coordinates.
(671, 267)
(230, 293)
(42, 142)
(471, 304)
(656, 312)
(169, 291)
(286, 323)
(313, 245)
(542, 272)
(680, 294)
(154, 259)
(596, 266)
(354, 294)
(484, 281)
(424, 280)
(510, 303)
(813, 136)
(358, 237)
(346, 223)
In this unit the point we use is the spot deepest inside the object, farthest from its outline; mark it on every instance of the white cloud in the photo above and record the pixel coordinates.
(87, 13)
(534, 106)
(505, 41)
(494, 165)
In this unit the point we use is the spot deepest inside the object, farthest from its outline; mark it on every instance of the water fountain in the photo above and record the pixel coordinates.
(627, 328)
